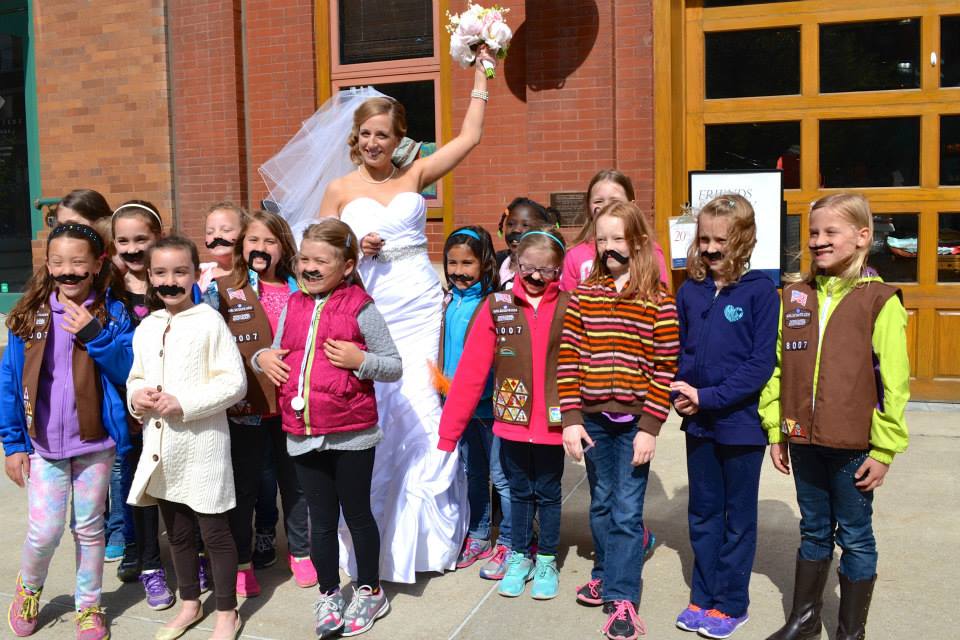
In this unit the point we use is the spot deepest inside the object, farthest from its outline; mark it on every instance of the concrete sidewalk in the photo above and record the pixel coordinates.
(916, 521)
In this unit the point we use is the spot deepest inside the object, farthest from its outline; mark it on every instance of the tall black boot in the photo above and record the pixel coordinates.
(854, 605)
(804, 621)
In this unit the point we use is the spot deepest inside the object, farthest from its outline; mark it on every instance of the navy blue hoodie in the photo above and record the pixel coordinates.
(728, 349)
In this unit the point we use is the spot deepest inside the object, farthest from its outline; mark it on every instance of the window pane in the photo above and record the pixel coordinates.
(894, 250)
(791, 249)
(15, 229)
(758, 62)
(881, 152)
(950, 51)
(950, 150)
(948, 248)
(375, 31)
(870, 56)
(761, 145)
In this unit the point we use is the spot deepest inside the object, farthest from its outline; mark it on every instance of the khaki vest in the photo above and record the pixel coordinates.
(250, 327)
(847, 384)
(513, 361)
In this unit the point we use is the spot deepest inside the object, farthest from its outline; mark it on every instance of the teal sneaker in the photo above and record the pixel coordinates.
(519, 573)
(546, 578)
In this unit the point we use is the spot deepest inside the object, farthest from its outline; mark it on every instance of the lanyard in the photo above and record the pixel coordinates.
(299, 403)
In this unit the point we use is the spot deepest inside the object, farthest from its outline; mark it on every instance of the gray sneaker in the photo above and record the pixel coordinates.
(365, 608)
(328, 612)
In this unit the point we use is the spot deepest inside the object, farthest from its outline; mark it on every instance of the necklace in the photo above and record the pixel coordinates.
(371, 180)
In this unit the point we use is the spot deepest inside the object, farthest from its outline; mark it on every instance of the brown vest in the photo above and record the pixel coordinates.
(847, 389)
(250, 327)
(87, 388)
(513, 361)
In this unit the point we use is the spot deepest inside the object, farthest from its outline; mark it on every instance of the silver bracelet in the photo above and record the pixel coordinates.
(480, 94)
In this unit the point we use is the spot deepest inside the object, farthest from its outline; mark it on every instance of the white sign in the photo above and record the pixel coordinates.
(682, 231)
(764, 190)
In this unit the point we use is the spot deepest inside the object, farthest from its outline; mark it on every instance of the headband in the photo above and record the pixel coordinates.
(544, 233)
(87, 232)
(466, 232)
(138, 206)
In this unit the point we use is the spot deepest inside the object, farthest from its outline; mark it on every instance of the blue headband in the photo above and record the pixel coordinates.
(466, 232)
(85, 230)
(544, 233)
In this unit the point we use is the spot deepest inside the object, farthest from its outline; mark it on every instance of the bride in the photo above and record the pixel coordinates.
(418, 493)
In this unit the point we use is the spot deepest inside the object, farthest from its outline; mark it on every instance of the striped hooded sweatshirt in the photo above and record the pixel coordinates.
(617, 355)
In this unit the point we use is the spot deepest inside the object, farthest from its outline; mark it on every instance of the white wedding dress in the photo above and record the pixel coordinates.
(419, 492)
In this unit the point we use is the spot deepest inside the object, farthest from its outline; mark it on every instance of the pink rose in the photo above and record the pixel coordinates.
(497, 36)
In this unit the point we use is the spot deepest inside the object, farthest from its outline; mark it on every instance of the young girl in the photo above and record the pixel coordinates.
(609, 185)
(838, 324)
(520, 216)
(62, 418)
(186, 373)
(617, 360)
(728, 329)
(471, 271)
(251, 299)
(223, 225)
(330, 345)
(518, 333)
(83, 206)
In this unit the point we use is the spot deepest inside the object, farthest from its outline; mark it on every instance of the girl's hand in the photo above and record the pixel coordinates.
(644, 446)
(17, 466)
(574, 436)
(871, 474)
(483, 53)
(168, 406)
(343, 354)
(686, 390)
(684, 407)
(75, 317)
(371, 244)
(780, 454)
(271, 361)
(144, 400)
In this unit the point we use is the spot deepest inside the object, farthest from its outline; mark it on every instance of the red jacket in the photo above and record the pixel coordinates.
(475, 363)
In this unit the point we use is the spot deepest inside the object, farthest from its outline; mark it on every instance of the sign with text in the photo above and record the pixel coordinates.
(572, 206)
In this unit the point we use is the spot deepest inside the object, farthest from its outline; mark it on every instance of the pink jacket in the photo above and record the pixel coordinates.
(579, 259)
(476, 361)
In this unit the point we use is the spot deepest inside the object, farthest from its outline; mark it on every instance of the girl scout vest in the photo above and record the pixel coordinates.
(250, 327)
(841, 414)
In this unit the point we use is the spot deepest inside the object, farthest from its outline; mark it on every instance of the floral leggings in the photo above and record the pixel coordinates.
(49, 488)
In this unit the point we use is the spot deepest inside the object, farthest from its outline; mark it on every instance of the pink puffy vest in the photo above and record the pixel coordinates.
(336, 400)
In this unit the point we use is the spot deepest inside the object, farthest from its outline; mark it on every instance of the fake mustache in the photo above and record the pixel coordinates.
(312, 276)
(263, 255)
(712, 255)
(169, 290)
(219, 242)
(530, 279)
(513, 238)
(616, 255)
(821, 247)
(133, 256)
(460, 277)
(71, 278)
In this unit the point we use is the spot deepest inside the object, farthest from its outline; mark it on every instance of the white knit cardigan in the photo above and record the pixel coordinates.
(192, 356)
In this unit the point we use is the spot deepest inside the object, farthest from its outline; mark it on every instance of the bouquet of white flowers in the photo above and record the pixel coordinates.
(477, 26)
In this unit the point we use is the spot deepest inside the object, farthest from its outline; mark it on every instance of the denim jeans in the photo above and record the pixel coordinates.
(724, 482)
(833, 510)
(480, 452)
(278, 469)
(617, 490)
(119, 517)
(534, 472)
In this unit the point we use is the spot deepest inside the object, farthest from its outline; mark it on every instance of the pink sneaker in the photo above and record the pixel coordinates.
(247, 585)
(92, 624)
(22, 615)
(303, 571)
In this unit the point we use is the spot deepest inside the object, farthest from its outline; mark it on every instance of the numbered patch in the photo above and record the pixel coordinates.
(510, 331)
(795, 345)
(247, 337)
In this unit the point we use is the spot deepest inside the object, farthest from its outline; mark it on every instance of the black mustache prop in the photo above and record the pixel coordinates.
(616, 255)
(263, 255)
(219, 242)
(71, 278)
(712, 255)
(312, 275)
(820, 247)
(133, 256)
(458, 277)
(513, 237)
(537, 283)
(170, 289)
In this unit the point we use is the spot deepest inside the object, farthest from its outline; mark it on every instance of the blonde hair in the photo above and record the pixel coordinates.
(644, 280)
(741, 238)
(854, 209)
(376, 107)
(242, 216)
(604, 175)
(340, 236)
(544, 238)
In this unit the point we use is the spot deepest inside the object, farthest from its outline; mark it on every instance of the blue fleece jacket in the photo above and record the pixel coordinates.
(112, 352)
(728, 342)
(459, 307)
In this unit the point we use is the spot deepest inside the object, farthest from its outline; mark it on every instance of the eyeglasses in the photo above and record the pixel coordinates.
(547, 273)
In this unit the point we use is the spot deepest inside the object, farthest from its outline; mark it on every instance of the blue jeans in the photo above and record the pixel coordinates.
(722, 513)
(278, 470)
(833, 510)
(480, 452)
(118, 524)
(534, 472)
(617, 490)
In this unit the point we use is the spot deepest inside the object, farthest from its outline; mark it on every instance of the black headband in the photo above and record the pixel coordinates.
(87, 232)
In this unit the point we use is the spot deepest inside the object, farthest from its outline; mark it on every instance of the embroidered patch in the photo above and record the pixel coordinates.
(507, 352)
(799, 297)
(553, 414)
(236, 294)
(503, 297)
(732, 313)
(508, 317)
(798, 318)
(511, 400)
(793, 429)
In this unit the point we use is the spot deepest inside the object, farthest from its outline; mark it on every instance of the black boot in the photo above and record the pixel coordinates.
(804, 621)
(129, 568)
(854, 605)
